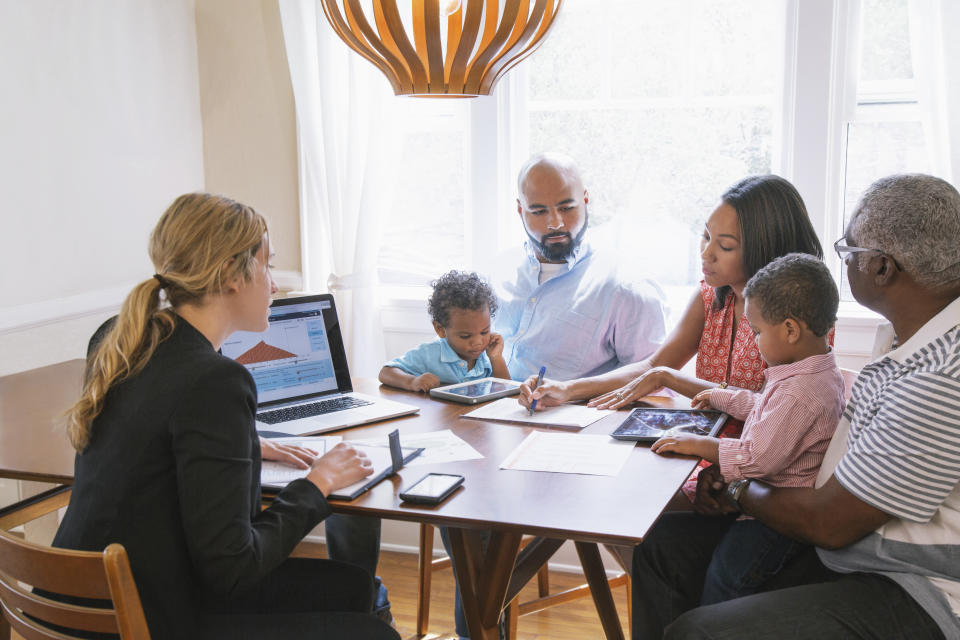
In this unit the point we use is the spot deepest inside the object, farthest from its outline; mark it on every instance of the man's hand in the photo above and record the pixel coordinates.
(712, 497)
(425, 382)
(548, 394)
(643, 385)
(299, 457)
(495, 348)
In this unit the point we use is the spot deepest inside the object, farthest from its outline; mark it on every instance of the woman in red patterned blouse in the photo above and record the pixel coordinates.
(759, 218)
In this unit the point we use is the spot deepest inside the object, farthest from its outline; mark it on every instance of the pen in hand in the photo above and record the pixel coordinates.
(533, 405)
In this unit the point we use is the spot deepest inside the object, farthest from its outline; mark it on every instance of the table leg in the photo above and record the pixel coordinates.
(483, 577)
(592, 565)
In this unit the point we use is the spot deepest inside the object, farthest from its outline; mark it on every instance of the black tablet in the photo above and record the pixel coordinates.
(477, 391)
(646, 424)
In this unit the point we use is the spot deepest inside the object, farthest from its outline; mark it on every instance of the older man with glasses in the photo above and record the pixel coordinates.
(885, 513)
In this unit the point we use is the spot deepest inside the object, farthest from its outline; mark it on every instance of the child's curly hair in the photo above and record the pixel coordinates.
(459, 290)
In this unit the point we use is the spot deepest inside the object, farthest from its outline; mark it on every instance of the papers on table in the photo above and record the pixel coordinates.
(598, 455)
(438, 446)
(565, 415)
(279, 474)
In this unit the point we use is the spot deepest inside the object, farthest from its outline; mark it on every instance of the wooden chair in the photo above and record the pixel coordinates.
(82, 574)
(428, 564)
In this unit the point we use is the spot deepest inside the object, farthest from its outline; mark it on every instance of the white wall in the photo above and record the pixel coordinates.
(101, 129)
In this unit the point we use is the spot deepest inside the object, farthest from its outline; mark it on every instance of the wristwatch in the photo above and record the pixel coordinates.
(736, 488)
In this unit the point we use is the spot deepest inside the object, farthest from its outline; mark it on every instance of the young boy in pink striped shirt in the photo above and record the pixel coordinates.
(791, 305)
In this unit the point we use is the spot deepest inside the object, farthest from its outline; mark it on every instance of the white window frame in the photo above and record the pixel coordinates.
(819, 83)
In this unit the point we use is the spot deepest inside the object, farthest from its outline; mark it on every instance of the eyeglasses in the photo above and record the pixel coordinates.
(843, 250)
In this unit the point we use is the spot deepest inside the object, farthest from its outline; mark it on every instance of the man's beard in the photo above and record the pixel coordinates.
(559, 251)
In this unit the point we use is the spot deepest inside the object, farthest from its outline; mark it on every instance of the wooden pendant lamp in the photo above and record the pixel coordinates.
(483, 40)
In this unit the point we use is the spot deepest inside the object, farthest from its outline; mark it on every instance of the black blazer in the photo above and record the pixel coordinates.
(172, 472)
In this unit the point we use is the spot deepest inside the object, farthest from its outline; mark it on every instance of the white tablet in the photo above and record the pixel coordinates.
(477, 391)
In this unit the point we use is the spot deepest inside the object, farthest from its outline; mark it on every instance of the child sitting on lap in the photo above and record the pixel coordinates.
(791, 304)
(461, 307)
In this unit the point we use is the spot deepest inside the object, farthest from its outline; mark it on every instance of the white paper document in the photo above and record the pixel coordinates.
(596, 455)
(438, 446)
(565, 415)
(279, 474)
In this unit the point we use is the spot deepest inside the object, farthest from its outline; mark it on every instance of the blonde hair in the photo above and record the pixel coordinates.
(201, 242)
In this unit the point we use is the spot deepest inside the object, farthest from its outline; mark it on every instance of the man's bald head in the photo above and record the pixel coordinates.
(550, 165)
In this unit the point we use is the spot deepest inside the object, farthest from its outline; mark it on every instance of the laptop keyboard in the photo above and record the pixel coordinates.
(312, 409)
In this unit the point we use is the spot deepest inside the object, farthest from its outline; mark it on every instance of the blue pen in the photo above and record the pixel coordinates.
(533, 405)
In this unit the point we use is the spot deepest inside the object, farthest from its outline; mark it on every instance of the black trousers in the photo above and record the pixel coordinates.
(304, 598)
(806, 600)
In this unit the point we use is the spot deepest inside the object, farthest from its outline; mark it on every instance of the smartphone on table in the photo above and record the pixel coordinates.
(432, 488)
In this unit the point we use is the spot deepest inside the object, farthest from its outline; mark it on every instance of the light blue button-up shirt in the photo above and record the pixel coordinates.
(584, 321)
(439, 358)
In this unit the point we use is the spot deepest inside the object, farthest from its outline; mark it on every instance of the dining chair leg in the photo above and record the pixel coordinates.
(425, 569)
(543, 581)
(512, 615)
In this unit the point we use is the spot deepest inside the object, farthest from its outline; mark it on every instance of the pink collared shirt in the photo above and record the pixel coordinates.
(787, 425)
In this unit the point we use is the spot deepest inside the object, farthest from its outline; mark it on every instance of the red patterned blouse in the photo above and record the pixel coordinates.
(742, 367)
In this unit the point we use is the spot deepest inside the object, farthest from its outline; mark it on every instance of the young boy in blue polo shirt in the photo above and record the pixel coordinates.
(461, 307)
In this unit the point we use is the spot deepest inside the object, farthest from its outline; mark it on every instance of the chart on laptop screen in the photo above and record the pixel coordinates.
(291, 358)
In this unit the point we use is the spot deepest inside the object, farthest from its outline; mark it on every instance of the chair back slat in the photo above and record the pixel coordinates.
(74, 573)
(66, 615)
(88, 575)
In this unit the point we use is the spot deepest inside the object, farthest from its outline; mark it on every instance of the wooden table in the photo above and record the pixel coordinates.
(33, 443)
(554, 506)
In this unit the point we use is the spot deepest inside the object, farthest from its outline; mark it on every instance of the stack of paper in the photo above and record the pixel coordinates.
(565, 415)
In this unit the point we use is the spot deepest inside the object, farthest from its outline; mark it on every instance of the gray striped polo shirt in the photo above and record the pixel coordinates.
(897, 448)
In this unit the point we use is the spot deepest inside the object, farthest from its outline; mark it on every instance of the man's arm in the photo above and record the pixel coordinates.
(830, 517)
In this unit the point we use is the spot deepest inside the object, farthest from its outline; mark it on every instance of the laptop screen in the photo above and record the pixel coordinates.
(299, 356)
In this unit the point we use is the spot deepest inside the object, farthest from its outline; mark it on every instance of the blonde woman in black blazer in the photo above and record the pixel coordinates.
(168, 460)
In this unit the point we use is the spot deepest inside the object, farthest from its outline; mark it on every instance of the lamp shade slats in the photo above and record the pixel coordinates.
(363, 32)
(396, 29)
(434, 48)
(478, 65)
(482, 41)
(471, 28)
(454, 29)
(340, 27)
(515, 49)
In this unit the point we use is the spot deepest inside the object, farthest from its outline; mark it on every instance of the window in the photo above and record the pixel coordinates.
(885, 134)
(664, 105)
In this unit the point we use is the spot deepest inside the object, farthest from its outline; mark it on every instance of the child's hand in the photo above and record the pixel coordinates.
(702, 400)
(683, 443)
(495, 348)
(425, 382)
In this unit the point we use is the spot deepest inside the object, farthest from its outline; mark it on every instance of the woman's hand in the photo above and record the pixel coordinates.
(549, 394)
(340, 467)
(702, 400)
(643, 385)
(299, 457)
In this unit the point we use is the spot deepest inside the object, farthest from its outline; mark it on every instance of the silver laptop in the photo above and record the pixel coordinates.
(300, 368)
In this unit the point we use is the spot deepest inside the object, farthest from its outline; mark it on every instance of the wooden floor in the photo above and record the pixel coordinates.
(575, 620)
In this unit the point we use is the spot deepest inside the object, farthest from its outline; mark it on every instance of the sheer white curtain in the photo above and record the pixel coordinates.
(934, 72)
(348, 144)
